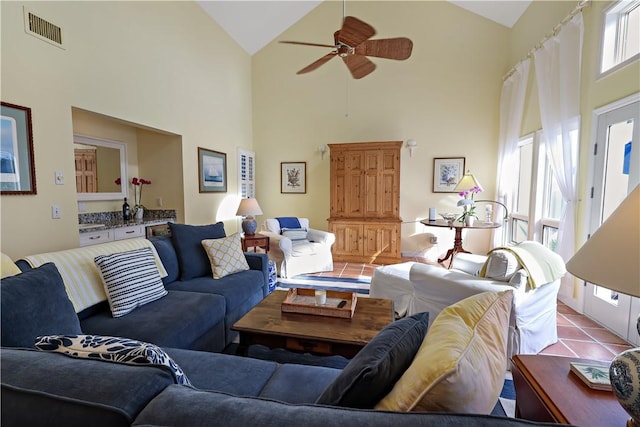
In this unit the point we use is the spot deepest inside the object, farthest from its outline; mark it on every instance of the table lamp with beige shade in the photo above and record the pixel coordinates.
(611, 259)
(248, 208)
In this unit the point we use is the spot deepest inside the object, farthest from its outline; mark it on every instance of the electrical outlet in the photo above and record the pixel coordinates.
(159, 202)
(59, 178)
(82, 207)
(56, 212)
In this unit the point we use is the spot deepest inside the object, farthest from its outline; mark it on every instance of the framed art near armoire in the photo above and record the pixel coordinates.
(293, 177)
(447, 172)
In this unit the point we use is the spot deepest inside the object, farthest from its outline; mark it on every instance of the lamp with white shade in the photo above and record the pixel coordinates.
(248, 208)
(611, 259)
(467, 182)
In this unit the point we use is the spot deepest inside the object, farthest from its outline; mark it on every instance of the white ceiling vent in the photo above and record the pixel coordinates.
(42, 29)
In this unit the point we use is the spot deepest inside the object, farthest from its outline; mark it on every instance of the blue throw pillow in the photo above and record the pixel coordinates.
(34, 303)
(112, 349)
(372, 373)
(288, 222)
(192, 257)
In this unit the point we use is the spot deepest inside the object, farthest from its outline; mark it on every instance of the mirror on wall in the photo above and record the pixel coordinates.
(99, 163)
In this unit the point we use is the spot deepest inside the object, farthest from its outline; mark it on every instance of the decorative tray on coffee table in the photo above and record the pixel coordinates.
(300, 300)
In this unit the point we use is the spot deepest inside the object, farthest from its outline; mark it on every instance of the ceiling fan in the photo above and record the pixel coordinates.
(352, 44)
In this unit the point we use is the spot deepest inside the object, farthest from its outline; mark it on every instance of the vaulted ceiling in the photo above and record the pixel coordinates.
(254, 24)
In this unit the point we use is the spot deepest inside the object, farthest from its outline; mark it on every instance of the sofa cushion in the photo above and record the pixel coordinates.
(300, 384)
(184, 406)
(243, 376)
(112, 349)
(35, 303)
(82, 392)
(168, 256)
(295, 234)
(461, 364)
(501, 265)
(375, 369)
(180, 319)
(225, 255)
(187, 240)
(7, 266)
(131, 279)
(519, 279)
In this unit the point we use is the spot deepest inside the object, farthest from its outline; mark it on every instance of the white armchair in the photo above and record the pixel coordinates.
(416, 287)
(296, 253)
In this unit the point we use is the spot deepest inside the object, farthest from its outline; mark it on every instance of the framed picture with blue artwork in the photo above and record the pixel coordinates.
(293, 177)
(447, 172)
(212, 171)
(17, 168)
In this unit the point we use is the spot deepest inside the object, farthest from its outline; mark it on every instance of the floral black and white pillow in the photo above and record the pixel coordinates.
(112, 349)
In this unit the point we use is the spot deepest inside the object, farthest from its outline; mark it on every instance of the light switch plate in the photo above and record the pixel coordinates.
(59, 178)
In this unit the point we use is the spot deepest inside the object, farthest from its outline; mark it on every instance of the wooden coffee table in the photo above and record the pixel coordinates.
(546, 390)
(266, 324)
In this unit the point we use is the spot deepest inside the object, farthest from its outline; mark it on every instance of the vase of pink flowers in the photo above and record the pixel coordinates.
(138, 183)
(138, 207)
(469, 214)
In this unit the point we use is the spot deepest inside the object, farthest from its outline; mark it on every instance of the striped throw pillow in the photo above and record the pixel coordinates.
(130, 279)
(225, 255)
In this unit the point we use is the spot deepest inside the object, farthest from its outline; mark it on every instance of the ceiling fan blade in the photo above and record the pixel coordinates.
(308, 44)
(317, 63)
(359, 66)
(397, 48)
(355, 31)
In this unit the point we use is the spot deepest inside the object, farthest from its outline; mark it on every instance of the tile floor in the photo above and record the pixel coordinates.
(578, 335)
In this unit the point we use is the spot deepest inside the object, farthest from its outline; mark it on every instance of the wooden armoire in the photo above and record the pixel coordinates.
(365, 201)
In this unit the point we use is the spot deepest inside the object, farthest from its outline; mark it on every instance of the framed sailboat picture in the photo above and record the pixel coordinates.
(212, 171)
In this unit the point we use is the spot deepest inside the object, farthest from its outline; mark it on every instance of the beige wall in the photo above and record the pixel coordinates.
(446, 97)
(163, 65)
(168, 67)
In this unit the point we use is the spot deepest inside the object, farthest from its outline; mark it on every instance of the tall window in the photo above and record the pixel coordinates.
(520, 215)
(620, 35)
(538, 199)
(246, 173)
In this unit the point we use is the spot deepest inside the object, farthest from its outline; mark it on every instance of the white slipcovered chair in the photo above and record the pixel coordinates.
(534, 279)
(298, 250)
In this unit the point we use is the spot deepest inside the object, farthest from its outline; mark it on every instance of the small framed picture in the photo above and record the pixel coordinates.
(212, 171)
(293, 177)
(17, 168)
(447, 172)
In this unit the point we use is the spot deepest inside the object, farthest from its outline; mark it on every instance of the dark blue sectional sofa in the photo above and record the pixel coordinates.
(198, 311)
(102, 389)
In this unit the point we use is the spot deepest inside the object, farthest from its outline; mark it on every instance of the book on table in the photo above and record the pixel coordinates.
(594, 375)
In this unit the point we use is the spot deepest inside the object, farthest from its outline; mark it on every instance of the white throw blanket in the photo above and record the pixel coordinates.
(79, 272)
(542, 264)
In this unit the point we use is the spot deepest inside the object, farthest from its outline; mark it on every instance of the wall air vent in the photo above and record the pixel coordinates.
(42, 29)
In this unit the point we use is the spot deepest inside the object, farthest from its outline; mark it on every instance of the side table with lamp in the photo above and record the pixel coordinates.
(611, 259)
(546, 389)
(248, 208)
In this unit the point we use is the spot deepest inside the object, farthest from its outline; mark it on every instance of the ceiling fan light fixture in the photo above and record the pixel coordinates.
(353, 45)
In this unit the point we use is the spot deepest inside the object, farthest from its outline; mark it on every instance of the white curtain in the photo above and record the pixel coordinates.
(511, 111)
(558, 64)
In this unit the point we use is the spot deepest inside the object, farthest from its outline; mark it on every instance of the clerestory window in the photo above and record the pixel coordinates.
(620, 35)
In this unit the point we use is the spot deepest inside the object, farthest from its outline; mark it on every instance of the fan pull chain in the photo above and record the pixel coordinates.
(346, 96)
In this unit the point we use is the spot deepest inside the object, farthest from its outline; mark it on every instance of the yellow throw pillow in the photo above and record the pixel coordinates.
(461, 363)
(7, 266)
(225, 255)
